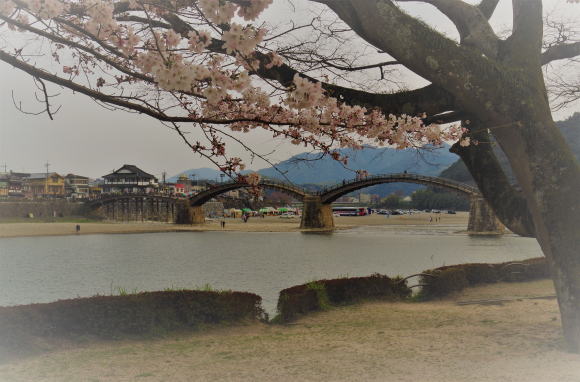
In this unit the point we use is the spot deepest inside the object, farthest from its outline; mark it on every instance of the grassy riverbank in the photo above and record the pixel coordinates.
(515, 340)
(268, 224)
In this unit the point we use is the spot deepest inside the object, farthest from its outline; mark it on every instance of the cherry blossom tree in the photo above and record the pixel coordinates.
(216, 67)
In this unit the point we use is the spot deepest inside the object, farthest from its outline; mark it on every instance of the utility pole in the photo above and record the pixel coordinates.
(46, 180)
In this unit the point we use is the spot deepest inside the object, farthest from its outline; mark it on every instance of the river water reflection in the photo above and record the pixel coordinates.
(43, 269)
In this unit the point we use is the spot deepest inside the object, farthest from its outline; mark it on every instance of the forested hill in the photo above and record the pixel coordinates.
(570, 129)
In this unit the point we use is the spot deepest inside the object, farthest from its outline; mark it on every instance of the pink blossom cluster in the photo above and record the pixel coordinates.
(217, 11)
(46, 9)
(253, 178)
(242, 39)
(127, 41)
(199, 40)
(305, 94)
(222, 12)
(43, 9)
(7, 7)
(215, 86)
(101, 23)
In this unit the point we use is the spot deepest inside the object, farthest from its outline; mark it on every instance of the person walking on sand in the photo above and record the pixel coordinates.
(78, 228)
(430, 219)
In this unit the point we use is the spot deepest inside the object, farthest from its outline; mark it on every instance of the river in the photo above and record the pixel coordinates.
(44, 269)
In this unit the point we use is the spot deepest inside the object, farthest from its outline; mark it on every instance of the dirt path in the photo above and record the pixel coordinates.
(435, 341)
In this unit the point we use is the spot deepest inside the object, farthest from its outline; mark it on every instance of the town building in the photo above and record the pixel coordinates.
(95, 188)
(76, 186)
(13, 184)
(183, 184)
(44, 185)
(129, 179)
(3, 187)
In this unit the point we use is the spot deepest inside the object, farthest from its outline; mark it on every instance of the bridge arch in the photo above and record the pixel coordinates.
(204, 196)
(330, 195)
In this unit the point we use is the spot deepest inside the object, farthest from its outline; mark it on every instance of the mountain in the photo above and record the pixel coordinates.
(570, 129)
(309, 168)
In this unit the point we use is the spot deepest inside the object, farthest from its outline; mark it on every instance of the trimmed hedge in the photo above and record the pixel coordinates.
(120, 316)
(445, 280)
(321, 294)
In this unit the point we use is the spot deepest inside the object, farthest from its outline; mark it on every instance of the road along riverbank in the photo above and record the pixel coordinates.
(255, 224)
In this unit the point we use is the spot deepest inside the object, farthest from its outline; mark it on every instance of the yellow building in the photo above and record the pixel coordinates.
(44, 185)
(3, 188)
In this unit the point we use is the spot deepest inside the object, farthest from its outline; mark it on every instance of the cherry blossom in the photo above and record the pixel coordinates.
(206, 75)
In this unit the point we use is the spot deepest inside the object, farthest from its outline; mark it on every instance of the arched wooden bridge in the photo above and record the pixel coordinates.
(221, 188)
(317, 209)
(333, 193)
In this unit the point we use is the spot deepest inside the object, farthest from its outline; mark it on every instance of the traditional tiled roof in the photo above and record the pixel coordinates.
(133, 170)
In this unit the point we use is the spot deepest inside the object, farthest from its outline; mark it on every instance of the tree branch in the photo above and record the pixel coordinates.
(525, 43)
(460, 71)
(473, 27)
(430, 100)
(487, 7)
(508, 204)
(561, 52)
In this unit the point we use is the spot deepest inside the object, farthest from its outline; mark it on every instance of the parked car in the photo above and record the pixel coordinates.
(451, 212)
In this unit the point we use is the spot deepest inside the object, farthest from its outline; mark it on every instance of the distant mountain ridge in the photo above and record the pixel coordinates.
(307, 168)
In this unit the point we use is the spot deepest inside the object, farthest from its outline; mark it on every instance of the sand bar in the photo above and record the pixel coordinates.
(267, 224)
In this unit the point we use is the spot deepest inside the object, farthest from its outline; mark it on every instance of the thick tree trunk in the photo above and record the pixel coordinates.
(508, 204)
(550, 177)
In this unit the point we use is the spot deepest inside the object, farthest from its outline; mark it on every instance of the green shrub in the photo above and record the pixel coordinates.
(297, 300)
(321, 294)
(131, 314)
(530, 269)
(445, 280)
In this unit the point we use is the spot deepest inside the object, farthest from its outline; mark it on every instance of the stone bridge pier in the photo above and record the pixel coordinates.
(315, 214)
(188, 214)
(482, 219)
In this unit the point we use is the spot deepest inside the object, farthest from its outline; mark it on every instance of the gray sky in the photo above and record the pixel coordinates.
(89, 140)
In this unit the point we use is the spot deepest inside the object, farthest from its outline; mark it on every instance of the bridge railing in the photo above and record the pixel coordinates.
(409, 176)
(264, 181)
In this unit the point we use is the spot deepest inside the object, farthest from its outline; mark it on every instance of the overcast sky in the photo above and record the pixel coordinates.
(89, 140)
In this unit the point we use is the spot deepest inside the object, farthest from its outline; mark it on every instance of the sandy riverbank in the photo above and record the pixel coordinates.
(519, 340)
(268, 224)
